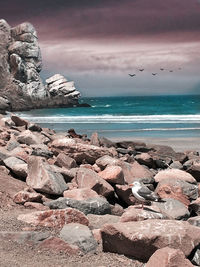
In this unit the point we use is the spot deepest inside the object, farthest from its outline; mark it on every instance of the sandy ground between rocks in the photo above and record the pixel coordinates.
(13, 254)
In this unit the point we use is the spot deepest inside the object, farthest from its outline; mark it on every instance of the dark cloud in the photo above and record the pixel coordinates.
(104, 18)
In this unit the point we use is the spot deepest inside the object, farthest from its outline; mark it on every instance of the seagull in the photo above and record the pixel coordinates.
(143, 193)
(132, 75)
(141, 69)
(154, 74)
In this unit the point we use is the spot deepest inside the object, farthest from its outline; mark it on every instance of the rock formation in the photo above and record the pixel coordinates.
(21, 87)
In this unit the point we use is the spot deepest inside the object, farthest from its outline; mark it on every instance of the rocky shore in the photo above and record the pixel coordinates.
(70, 196)
(21, 87)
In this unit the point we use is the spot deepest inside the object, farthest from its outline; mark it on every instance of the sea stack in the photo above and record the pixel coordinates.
(21, 87)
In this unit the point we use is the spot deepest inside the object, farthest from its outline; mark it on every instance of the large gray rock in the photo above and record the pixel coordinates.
(20, 64)
(97, 205)
(43, 179)
(80, 235)
(17, 166)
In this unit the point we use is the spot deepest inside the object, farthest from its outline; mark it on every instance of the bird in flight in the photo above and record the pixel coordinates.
(141, 69)
(143, 193)
(154, 74)
(132, 75)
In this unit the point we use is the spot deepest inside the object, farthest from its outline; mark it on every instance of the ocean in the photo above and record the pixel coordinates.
(128, 117)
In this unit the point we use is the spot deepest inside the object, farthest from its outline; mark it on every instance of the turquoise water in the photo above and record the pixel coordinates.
(113, 117)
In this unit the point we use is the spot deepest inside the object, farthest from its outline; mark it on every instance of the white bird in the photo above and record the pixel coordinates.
(143, 193)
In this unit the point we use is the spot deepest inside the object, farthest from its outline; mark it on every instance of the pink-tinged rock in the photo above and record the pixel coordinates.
(86, 178)
(25, 196)
(174, 174)
(17, 166)
(133, 213)
(97, 235)
(80, 193)
(21, 152)
(113, 174)
(96, 168)
(28, 138)
(4, 170)
(168, 257)
(106, 160)
(79, 151)
(141, 239)
(98, 221)
(87, 166)
(124, 192)
(133, 171)
(35, 205)
(19, 121)
(57, 245)
(54, 218)
(94, 140)
(42, 178)
(65, 161)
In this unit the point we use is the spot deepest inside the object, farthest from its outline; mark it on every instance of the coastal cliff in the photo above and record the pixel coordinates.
(21, 87)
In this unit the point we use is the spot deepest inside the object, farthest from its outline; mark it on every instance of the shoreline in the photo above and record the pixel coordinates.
(178, 144)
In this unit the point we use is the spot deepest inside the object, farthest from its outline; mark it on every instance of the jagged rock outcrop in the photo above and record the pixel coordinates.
(21, 87)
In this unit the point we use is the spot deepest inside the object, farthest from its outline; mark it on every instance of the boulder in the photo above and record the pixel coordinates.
(98, 221)
(65, 161)
(98, 205)
(194, 170)
(174, 174)
(80, 193)
(173, 208)
(41, 151)
(57, 245)
(28, 138)
(86, 178)
(145, 159)
(168, 257)
(79, 151)
(18, 121)
(176, 165)
(54, 218)
(106, 160)
(141, 239)
(113, 175)
(79, 235)
(34, 127)
(35, 205)
(177, 189)
(25, 196)
(194, 221)
(43, 179)
(195, 206)
(133, 213)
(124, 193)
(17, 166)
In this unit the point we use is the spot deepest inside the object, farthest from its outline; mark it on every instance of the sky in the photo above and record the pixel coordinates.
(97, 43)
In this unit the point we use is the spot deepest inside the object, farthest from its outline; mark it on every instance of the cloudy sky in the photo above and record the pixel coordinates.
(97, 43)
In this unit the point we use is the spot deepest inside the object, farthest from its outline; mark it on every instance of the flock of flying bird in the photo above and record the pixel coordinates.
(153, 73)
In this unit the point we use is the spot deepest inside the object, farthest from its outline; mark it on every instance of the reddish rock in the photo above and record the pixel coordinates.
(18, 121)
(86, 178)
(94, 140)
(54, 218)
(4, 170)
(174, 174)
(56, 245)
(80, 193)
(65, 161)
(25, 196)
(133, 213)
(98, 221)
(145, 159)
(35, 205)
(168, 257)
(133, 171)
(42, 178)
(97, 235)
(28, 138)
(113, 174)
(124, 192)
(79, 151)
(106, 160)
(96, 168)
(141, 239)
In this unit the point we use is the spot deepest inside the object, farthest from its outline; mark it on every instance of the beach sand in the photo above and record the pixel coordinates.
(178, 144)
